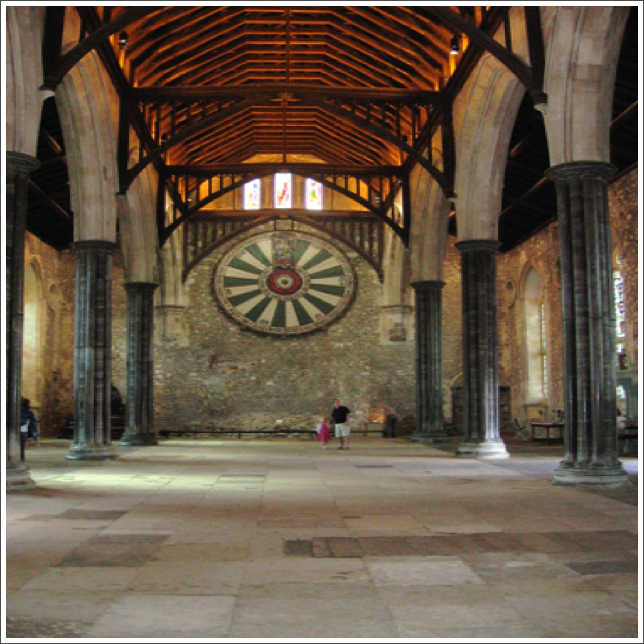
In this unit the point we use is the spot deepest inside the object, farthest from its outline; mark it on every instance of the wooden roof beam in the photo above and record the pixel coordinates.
(65, 62)
(385, 94)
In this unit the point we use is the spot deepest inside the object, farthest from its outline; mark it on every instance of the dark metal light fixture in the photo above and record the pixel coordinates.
(123, 40)
(455, 47)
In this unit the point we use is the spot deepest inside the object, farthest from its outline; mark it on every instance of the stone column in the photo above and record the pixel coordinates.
(18, 168)
(590, 434)
(430, 427)
(93, 352)
(140, 328)
(481, 426)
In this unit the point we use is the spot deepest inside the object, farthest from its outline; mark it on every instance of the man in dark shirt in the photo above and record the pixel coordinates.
(340, 415)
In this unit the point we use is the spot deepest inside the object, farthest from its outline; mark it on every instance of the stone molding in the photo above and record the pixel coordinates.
(141, 286)
(95, 245)
(475, 245)
(427, 285)
(19, 163)
(564, 172)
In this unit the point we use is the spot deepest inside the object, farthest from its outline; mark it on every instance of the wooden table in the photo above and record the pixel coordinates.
(548, 427)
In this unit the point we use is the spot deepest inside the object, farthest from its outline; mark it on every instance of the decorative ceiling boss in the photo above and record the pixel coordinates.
(284, 283)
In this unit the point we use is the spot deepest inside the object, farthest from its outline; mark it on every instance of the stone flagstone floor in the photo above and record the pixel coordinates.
(253, 539)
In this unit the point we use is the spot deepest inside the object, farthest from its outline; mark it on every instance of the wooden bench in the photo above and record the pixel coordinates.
(227, 432)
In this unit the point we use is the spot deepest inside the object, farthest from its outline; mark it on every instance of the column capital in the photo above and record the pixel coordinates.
(427, 285)
(18, 163)
(95, 244)
(474, 245)
(140, 286)
(580, 169)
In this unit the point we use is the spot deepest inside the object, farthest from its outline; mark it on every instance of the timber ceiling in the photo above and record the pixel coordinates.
(185, 63)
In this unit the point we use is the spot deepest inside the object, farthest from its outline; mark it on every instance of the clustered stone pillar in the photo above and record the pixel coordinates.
(481, 414)
(93, 352)
(430, 426)
(18, 168)
(590, 434)
(140, 328)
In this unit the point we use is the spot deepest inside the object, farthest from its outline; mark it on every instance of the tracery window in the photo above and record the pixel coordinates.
(283, 197)
(313, 194)
(252, 193)
(535, 338)
(544, 355)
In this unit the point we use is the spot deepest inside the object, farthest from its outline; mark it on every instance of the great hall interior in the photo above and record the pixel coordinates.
(221, 219)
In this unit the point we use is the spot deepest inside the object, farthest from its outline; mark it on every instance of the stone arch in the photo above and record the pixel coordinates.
(582, 50)
(137, 221)
(88, 106)
(484, 118)
(23, 100)
(171, 296)
(396, 313)
(428, 238)
(394, 279)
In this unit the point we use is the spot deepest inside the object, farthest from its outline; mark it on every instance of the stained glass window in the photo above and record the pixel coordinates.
(620, 307)
(283, 190)
(313, 194)
(252, 195)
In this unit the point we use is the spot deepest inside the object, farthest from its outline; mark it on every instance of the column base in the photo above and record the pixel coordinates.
(18, 478)
(599, 477)
(496, 450)
(138, 439)
(87, 453)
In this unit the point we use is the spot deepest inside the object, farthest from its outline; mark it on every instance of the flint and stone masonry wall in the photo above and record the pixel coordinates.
(228, 377)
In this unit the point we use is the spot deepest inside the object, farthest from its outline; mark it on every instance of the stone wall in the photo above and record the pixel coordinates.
(542, 252)
(233, 378)
(51, 391)
(119, 320)
(452, 326)
(222, 375)
(623, 200)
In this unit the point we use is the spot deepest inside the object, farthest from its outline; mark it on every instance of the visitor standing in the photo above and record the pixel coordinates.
(27, 425)
(340, 415)
(324, 433)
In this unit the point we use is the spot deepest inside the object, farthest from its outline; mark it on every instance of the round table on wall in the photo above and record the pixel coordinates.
(284, 283)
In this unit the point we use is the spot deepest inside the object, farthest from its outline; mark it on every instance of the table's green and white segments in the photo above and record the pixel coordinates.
(284, 283)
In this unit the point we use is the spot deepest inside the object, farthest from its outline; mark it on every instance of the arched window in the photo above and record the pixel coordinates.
(313, 195)
(252, 194)
(620, 306)
(626, 399)
(283, 190)
(535, 339)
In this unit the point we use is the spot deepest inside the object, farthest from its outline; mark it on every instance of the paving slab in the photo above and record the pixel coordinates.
(253, 539)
